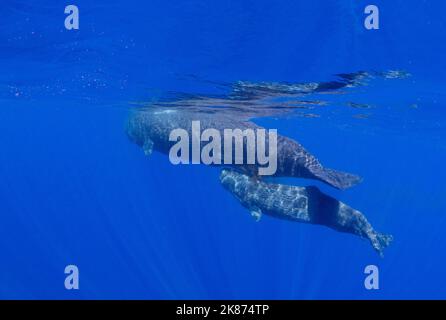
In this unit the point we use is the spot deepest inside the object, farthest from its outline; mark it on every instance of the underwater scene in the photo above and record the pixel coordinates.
(222, 149)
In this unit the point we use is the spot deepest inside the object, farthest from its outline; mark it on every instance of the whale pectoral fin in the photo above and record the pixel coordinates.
(256, 213)
(148, 147)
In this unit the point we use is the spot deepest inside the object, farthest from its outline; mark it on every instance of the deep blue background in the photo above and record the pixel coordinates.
(74, 190)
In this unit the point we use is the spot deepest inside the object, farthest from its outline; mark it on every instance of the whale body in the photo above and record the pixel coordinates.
(151, 126)
(301, 204)
(150, 129)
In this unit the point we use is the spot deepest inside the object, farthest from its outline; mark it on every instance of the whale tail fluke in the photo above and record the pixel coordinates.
(380, 241)
(338, 179)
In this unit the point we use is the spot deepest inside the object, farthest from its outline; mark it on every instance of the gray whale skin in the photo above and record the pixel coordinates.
(301, 204)
(150, 129)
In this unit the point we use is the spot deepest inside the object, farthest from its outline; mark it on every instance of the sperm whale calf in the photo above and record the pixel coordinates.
(301, 204)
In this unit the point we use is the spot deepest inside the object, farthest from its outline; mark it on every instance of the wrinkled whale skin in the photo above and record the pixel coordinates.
(151, 129)
(300, 204)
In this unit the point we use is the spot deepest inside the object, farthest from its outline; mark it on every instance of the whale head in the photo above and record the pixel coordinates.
(134, 130)
(231, 179)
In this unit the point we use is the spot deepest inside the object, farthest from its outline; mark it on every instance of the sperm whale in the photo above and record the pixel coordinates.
(300, 204)
(150, 129)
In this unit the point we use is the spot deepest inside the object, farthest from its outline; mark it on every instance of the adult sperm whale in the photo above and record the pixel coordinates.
(150, 128)
(308, 205)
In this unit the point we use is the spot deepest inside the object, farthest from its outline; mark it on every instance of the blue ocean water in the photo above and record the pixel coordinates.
(75, 190)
